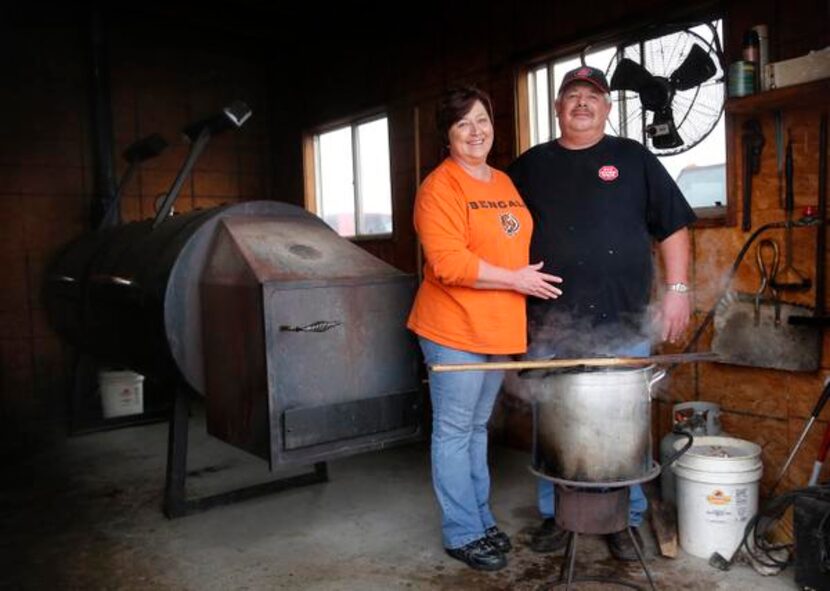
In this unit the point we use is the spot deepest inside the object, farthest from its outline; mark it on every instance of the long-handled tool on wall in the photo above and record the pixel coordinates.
(822, 455)
(822, 400)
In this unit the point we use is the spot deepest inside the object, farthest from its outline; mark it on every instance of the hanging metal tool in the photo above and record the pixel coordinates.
(789, 278)
(779, 155)
(753, 143)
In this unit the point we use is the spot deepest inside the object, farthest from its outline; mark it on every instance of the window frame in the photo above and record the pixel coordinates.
(312, 166)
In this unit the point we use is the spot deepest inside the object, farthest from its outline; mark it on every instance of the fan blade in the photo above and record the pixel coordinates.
(696, 69)
(662, 130)
(653, 90)
(629, 75)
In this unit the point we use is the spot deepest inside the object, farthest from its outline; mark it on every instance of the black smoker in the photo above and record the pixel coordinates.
(295, 336)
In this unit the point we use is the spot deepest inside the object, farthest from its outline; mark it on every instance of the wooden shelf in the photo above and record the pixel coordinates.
(800, 96)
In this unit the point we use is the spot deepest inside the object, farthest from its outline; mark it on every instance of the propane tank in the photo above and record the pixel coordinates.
(698, 418)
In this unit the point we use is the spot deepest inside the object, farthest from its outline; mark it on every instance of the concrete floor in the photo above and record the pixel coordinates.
(87, 516)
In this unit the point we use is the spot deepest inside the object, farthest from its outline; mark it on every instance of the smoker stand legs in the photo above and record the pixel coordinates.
(566, 573)
(641, 558)
(176, 503)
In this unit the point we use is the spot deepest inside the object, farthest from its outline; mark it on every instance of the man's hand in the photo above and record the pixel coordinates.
(674, 315)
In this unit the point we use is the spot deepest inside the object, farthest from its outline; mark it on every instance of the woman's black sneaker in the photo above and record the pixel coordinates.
(498, 539)
(480, 555)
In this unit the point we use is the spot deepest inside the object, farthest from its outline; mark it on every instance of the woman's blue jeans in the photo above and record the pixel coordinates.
(638, 503)
(462, 402)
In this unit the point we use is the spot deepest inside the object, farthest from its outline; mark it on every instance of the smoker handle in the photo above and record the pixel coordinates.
(682, 450)
(319, 326)
(113, 280)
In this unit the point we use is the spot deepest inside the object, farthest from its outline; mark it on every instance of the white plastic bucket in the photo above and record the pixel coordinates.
(717, 493)
(122, 393)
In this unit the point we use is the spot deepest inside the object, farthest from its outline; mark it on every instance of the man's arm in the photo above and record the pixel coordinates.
(676, 307)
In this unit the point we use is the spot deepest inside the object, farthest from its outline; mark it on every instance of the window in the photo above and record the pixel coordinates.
(702, 167)
(352, 191)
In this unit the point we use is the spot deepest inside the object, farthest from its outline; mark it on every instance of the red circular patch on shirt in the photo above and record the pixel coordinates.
(608, 173)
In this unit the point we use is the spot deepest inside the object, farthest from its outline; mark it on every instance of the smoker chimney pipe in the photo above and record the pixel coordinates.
(136, 153)
(199, 133)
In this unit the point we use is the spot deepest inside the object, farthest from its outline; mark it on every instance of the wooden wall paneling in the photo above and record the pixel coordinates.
(661, 423)
(769, 433)
(501, 18)
(17, 381)
(131, 209)
(51, 221)
(535, 25)
(804, 392)
(464, 57)
(679, 385)
(431, 146)
(756, 391)
(48, 368)
(501, 90)
(825, 349)
(403, 147)
(309, 176)
(800, 26)
(12, 234)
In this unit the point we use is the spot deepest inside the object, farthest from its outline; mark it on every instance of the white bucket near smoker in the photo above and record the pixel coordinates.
(122, 393)
(717, 493)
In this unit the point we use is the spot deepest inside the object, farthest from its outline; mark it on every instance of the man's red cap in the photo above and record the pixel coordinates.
(585, 74)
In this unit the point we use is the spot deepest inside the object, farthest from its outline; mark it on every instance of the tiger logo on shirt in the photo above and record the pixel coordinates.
(509, 223)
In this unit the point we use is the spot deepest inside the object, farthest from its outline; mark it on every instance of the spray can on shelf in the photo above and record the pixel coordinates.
(763, 57)
(752, 53)
(741, 78)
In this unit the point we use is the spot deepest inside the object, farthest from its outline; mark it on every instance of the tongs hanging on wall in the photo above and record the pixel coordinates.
(768, 275)
(753, 329)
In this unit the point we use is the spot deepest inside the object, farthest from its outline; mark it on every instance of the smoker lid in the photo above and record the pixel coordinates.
(296, 248)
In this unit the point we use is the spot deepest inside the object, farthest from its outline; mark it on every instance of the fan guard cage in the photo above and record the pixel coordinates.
(696, 111)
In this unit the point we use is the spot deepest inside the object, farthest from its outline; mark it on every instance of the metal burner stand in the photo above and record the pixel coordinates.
(595, 508)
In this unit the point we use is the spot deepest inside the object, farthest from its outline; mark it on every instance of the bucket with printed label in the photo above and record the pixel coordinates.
(717, 493)
(122, 393)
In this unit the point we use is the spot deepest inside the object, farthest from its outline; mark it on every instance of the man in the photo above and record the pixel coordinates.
(598, 202)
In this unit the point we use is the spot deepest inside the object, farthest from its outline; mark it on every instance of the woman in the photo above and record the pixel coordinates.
(475, 231)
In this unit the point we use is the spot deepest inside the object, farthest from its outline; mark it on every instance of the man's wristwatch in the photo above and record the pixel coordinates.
(678, 287)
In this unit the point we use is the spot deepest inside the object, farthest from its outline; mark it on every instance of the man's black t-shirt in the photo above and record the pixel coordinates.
(595, 213)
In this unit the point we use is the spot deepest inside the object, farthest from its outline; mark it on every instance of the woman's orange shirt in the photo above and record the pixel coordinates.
(461, 220)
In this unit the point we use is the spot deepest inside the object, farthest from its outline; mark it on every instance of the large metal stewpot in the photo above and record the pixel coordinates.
(594, 426)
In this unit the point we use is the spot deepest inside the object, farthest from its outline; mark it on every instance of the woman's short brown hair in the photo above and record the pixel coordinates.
(457, 103)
